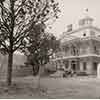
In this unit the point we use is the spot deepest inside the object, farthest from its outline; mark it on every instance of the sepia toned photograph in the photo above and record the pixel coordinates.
(49, 49)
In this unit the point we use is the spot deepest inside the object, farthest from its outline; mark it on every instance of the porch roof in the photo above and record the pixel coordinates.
(74, 57)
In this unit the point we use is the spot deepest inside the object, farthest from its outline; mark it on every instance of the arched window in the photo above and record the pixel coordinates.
(74, 50)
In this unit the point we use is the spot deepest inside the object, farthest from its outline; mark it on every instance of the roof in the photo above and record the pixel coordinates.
(81, 56)
(67, 36)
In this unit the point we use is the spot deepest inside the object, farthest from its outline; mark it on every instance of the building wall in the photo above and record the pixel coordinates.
(81, 48)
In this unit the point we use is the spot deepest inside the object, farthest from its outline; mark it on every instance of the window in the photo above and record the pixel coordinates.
(92, 33)
(95, 66)
(74, 50)
(84, 65)
(96, 50)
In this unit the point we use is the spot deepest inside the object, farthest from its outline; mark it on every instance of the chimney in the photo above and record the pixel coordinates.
(69, 27)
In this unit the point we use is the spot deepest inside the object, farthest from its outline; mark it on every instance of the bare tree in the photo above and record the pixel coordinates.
(17, 18)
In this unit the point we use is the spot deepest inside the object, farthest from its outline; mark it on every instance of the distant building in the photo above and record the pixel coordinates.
(19, 68)
(80, 48)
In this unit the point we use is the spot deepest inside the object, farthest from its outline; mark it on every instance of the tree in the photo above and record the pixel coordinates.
(41, 47)
(17, 18)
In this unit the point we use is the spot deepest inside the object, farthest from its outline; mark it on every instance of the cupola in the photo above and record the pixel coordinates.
(87, 21)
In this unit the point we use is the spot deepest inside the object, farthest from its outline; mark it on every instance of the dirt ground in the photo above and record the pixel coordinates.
(60, 88)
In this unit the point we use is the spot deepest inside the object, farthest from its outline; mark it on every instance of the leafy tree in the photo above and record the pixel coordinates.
(17, 18)
(41, 47)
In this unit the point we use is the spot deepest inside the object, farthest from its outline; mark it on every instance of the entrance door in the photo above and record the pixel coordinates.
(73, 65)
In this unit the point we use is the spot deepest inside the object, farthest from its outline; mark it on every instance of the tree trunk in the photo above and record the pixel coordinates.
(35, 70)
(40, 75)
(10, 64)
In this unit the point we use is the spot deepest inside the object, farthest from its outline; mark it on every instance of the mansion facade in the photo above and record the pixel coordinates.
(80, 48)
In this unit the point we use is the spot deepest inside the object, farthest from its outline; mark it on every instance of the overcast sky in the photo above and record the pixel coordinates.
(73, 10)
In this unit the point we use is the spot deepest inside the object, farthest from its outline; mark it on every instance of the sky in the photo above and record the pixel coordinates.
(72, 11)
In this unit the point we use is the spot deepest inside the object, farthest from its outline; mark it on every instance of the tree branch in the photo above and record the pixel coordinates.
(4, 45)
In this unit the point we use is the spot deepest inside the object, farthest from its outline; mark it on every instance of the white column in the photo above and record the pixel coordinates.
(98, 71)
(58, 65)
(69, 64)
(89, 67)
(81, 66)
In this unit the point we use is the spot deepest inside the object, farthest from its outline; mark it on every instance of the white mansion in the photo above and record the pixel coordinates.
(80, 48)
